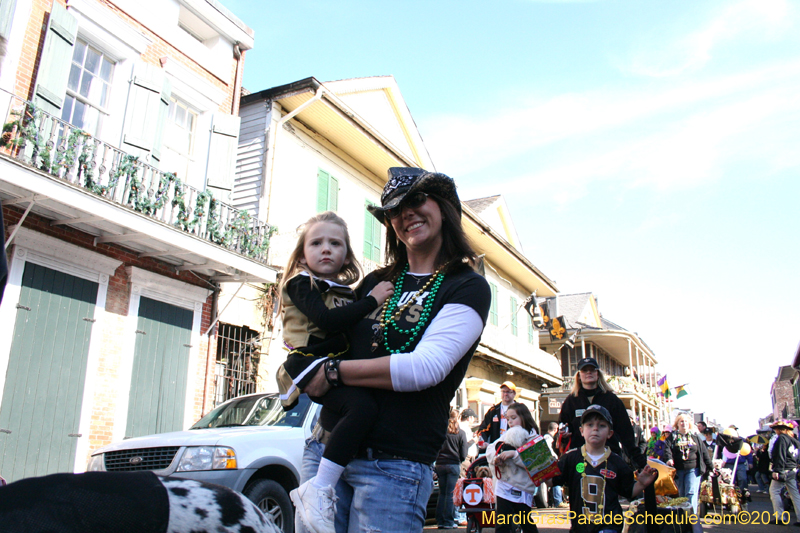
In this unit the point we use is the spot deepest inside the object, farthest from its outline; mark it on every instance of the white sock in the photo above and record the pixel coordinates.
(328, 473)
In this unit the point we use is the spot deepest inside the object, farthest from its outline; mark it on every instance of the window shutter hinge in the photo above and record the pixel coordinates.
(87, 319)
(20, 306)
(188, 345)
(75, 435)
(4, 430)
(143, 332)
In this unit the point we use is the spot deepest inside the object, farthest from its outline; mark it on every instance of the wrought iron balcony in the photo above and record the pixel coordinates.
(48, 144)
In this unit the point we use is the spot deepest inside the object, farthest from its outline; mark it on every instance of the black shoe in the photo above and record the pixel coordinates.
(796, 524)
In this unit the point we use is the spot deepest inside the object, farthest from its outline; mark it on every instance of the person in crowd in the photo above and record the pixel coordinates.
(638, 438)
(468, 420)
(689, 457)
(414, 351)
(762, 468)
(708, 438)
(597, 477)
(784, 468)
(317, 306)
(733, 458)
(448, 469)
(494, 423)
(590, 387)
(701, 428)
(557, 490)
(655, 437)
(514, 489)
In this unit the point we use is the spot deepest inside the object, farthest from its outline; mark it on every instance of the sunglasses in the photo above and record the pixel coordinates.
(411, 201)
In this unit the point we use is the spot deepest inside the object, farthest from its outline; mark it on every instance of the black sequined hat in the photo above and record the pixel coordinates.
(407, 180)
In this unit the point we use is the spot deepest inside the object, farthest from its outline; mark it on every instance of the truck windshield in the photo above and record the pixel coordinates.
(255, 410)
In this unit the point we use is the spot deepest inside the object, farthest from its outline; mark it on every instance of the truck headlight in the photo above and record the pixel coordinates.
(207, 458)
(95, 463)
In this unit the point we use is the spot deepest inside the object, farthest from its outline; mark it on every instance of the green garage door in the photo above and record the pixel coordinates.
(160, 366)
(46, 373)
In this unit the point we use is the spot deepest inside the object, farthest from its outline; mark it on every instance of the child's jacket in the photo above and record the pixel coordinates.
(315, 317)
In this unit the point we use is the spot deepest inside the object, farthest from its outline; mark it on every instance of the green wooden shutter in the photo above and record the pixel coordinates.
(372, 237)
(333, 194)
(6, 17)
(493, 307)
(323, 179)
(530, 329)
(513, 316)
(160, 367)
(55, 61)
(161, 122)
(222, 151)
(368, 234)
(143, 109)
(46, 373)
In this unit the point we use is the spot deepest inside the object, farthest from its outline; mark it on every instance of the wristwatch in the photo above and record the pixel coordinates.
(332, 372)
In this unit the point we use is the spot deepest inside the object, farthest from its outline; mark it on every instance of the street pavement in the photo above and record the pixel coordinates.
(556, 520)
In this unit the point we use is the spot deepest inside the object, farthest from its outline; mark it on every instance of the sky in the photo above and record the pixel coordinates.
(648, 153)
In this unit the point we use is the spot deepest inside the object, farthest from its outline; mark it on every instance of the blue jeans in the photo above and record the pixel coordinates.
(445, 509)
(375, 495)
(688, 482)
(558, 495)
(763, 481)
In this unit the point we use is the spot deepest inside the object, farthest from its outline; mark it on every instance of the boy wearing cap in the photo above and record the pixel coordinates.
(597, 477)
(494, 423)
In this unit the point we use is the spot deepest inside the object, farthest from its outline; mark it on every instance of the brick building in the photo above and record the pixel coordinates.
(116, 165)
(784, 394)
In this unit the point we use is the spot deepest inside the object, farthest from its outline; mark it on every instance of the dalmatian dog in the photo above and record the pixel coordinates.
(126, 502)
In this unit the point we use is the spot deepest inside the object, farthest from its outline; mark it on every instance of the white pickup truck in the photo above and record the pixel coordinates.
(248, 444)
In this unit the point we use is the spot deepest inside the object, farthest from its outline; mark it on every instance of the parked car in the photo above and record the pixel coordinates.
(248, 444)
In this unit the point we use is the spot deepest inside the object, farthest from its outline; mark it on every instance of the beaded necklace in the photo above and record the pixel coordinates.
(581, 467)
(390, 318)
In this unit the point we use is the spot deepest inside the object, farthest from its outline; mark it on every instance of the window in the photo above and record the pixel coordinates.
(327, 192)
(514, 316)
(493, 307)
(372, 237)
(88, 88)
(182, 122)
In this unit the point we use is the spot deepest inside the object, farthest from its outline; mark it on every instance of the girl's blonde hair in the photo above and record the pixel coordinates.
(351, 270)
(689, 425)
(602, 384)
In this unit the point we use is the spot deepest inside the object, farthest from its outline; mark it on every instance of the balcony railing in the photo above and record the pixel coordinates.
(46, 143)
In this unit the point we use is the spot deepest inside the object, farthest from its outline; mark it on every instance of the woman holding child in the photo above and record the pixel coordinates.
(438, 296)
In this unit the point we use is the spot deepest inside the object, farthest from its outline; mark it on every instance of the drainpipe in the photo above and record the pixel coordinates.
(214, 316)
(237, 89)
(273, 140)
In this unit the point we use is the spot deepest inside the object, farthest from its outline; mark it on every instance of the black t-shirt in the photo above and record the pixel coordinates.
(414, 424)
(602, 486)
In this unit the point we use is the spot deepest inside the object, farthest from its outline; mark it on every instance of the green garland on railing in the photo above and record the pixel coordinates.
(212, 225)
(85, 170)
(150, 206)
(66, 158)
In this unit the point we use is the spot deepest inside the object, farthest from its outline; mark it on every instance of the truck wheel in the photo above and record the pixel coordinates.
(273, 500)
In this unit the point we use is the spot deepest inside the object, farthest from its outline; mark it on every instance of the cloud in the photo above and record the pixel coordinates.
(743, 21)
(676, 137)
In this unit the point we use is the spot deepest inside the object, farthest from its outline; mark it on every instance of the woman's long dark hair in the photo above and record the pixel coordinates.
(455, 252)
(525, 414)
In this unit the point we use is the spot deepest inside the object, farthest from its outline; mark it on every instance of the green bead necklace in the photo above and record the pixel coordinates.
(390, 318)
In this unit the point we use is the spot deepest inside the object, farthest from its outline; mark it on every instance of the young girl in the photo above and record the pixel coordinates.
(515, 496)
(317, 307)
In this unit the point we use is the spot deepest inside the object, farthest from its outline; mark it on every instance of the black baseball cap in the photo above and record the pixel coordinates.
(598, 410)
(587, 361)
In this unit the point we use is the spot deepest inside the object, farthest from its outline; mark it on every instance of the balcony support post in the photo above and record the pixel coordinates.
(21, 220)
